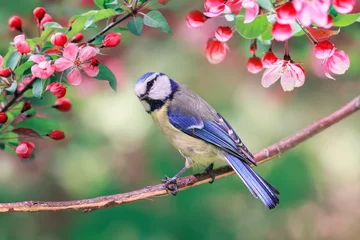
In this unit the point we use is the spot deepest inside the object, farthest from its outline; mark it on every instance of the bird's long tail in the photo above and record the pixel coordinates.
(259, 187)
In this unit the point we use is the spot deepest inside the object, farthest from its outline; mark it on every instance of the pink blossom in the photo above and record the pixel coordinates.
(21, 45)
(43, 68)
(281, 32)
(214, 8)
(251, 10)
(269, 59)
(286, 14)
(77, 59)
(324, 49)
(309, 11)
(215, 51)
(292, 75)
(223, 33)
(338, 63)
(344, 6)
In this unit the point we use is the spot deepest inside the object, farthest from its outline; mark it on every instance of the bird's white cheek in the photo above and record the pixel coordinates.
(146, 105)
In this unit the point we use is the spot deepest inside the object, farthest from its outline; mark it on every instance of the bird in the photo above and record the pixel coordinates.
(201, 135)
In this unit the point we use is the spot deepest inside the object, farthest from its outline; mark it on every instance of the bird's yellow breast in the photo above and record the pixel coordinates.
(200, 152)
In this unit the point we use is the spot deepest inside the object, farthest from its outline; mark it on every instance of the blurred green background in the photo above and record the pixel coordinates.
(114, 147)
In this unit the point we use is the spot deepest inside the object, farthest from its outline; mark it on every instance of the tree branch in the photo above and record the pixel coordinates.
(264, 155)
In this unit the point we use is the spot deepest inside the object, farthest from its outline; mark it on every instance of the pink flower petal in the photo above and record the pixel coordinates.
(271, 75)
(70, 51)
(1, 61)
(91, 70)
(326, 69)
(344, 6)
(251, 13)
(339, 63)
(288, 80)
(87, 52)
(19, 38)
(74, 77)
(37, 58)
(62, 64)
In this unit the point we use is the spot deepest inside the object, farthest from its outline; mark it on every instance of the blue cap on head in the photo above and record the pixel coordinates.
(144, 77)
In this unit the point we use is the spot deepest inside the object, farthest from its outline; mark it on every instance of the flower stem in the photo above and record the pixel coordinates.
(307, 33)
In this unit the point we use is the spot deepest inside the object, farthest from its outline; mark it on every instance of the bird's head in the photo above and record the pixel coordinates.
(153, 89)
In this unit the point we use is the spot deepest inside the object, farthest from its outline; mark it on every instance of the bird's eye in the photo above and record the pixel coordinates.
(150, 84)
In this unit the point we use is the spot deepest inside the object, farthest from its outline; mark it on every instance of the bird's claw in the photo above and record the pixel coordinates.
(171, 185)
(210, 171)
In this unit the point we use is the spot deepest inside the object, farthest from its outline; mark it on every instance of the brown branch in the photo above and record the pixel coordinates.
(264, 155)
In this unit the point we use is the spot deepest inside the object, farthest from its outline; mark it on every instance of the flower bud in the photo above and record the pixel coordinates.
(254, 65)
(94, 62)
(15, 23)
(281, 32)
(22, 46)
(195, 19)
(223, 34)
(324, 49)
(215, 51)
(26, 106)
(3, 118)
(59, 39)
(269, 59)
(286, 14)
(63, 105)
(47, 18)
(56, 135)
(25, 149)
(77, 38)
(57, 89)
(5, 72)
(111, 39)
(163, 2)
(39, 13)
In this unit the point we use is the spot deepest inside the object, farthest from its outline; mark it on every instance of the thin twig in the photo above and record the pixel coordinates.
(264, 155)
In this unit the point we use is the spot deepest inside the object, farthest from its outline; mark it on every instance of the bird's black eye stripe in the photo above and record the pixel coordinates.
(150, 83)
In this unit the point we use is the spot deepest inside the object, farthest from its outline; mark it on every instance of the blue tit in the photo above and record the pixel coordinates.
(201, 135)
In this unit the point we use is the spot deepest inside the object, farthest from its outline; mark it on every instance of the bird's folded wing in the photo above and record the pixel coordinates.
(209, 131)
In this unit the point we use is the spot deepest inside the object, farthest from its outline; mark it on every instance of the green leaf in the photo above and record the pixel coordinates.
(37, 88)
(52, 25)
(88, 22)
(135, 26)
(105, 13)
(99, 3)
(120, 30)
(267, 35)
(106, 74)
(98, 40)
(342, 20)
(254, 29)
(107, 3)
(13, 60)
(26, 132)
(40, 125)
(23, 67)
(266, 4)
(156, 20)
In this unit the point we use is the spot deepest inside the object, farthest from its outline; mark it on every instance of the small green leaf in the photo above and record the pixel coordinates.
(120, 30)
(88, 22)
(40, 125)
(135, 26)
(105, 13)
(343, 20)
(13, 60)
(106, 74)
(99, 3)
(52, 25)
(23, 67)
(267, 35)
(37, 88)
(107, 3)
(266, 4)
(254, 29)
(156, 20)
(98, 40)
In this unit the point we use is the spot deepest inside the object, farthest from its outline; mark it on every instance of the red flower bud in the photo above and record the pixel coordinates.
(47, 18)
(111, 40)
(59, 39)
(56, 135)
(57, 89)
(26, 106)
(163, 2)
(195, 19)
(286, 14)
(94, 62)
(254, 65)
(63, 105)
(15, 23)
(223, 34)
(3, 118)
(281, 32)
(215, 51)
(25, 149)
(77, 38)
(39, 13)
(5, 72)
(324, 49)
(269, 59)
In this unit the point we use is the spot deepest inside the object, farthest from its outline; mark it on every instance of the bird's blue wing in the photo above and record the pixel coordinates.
(212, 132)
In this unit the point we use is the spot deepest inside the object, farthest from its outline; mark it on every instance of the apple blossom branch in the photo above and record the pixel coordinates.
(273, 151)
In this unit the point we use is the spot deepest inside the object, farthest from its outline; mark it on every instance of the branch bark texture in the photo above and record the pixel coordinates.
(273, 151)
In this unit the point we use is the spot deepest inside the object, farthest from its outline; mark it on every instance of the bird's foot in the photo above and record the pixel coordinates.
(210, 171)
(171, 185)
